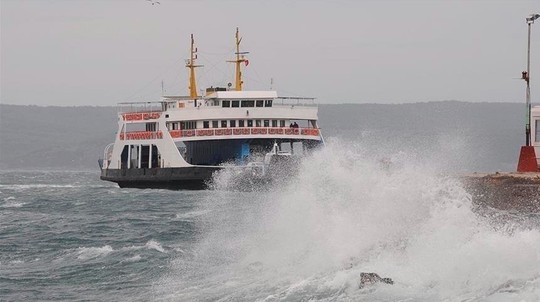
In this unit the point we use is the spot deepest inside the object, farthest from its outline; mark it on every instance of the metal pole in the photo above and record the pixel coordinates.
(527, 77)
(529, 50)
(528, 90)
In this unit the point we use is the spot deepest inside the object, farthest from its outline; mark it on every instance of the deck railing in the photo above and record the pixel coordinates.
(244, 131)
(140, 135)
(136, 135)
(294, 101)
(139, 116)
(137, 111)
(140, 107)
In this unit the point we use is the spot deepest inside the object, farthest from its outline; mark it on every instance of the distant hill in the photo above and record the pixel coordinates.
(468, 136)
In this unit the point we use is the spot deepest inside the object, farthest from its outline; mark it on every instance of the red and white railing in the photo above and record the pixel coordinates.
(244, 131)
(139, 116)
(135, 135)
(139, 135)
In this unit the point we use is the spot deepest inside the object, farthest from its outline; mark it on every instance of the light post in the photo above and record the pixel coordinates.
(525, 75)
(527, 156)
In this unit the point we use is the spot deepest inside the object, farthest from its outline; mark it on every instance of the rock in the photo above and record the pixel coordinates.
(367, 279)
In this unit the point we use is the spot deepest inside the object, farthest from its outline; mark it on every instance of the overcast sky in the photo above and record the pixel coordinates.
(103, 52)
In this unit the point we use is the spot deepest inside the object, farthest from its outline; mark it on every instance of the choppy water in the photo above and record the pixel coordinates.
(70, 236)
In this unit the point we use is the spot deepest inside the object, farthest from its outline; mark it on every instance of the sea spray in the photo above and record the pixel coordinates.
(349, 211)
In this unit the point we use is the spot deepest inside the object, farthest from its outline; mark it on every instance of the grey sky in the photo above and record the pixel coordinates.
(104, 52)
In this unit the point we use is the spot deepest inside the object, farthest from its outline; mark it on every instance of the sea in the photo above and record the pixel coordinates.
(68, 236)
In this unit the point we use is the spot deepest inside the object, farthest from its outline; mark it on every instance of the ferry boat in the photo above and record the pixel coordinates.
(179, 142)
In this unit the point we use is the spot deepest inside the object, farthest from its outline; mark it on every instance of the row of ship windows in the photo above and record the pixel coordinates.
(225, 103)
(244, 123)
(246, 103)
(226, 124)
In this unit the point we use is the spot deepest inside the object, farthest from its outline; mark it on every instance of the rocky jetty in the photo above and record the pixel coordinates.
(510, 191)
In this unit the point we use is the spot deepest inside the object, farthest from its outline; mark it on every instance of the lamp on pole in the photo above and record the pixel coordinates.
(525, 75)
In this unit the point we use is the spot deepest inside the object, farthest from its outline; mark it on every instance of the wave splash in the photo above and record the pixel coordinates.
(348, 212)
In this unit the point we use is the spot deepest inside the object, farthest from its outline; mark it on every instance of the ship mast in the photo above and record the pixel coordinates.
(190, 63)
(240, 58)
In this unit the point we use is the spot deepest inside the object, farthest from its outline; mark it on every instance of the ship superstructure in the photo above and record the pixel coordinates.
(180, 141)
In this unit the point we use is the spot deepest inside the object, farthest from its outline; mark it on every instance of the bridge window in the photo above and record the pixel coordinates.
(274, 123)
(267, 123)
(258, 123)
(206, 124)
(232, 123)
(235, 104)
(241, 123)
(268, 103)
(223, 124)
(215, 124)
(248, 104)
(282, 123)
(226, 104)
(250, 123)
(260, 103)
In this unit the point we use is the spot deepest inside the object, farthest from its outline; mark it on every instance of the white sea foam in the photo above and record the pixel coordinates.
(154, 245)
(344, 214)
(190, 215)
(131, 248)
(135, 258)
(150, 245)
(11, 202)
(36, 186)
(179, 250)
(85, 253)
